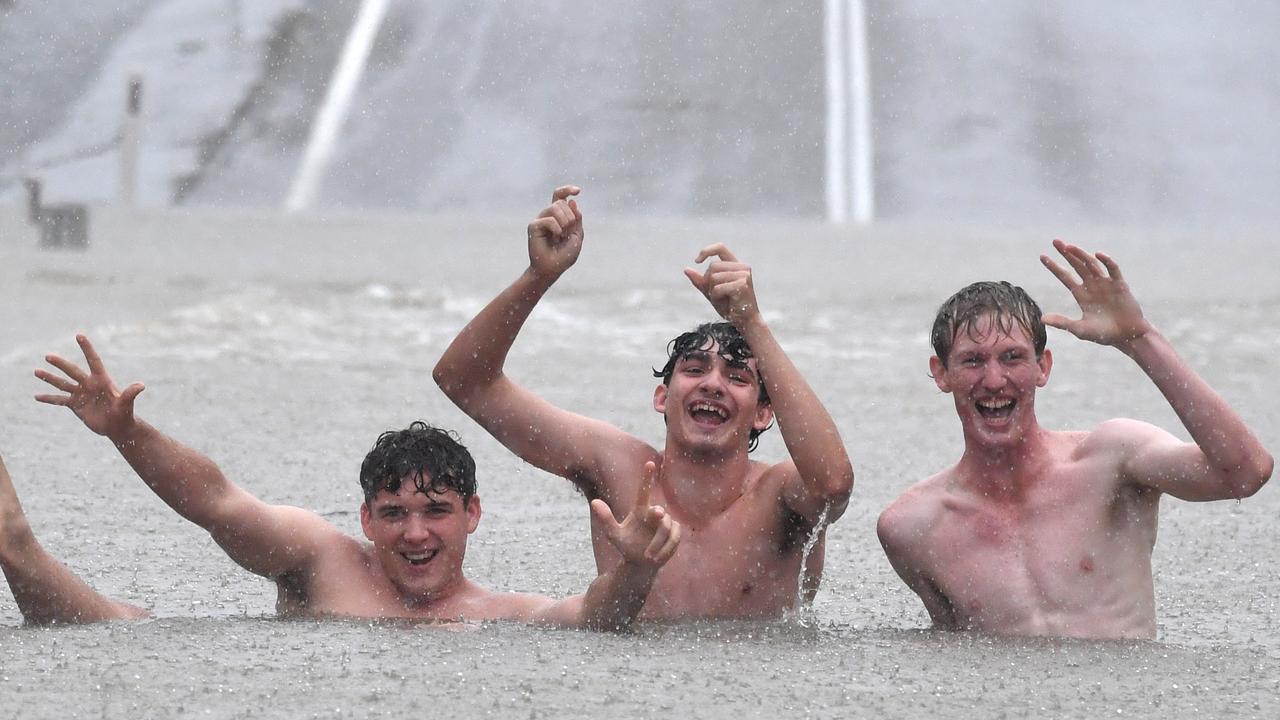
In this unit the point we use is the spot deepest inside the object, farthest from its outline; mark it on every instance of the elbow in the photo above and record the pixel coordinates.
(838, 487)
(440, 373)
(1247, 481)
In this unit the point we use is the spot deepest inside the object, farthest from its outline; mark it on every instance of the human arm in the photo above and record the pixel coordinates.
(471, 371)
(646, 539)
(1226, 460)
(819, 474)
(264, 539)
(900, 531)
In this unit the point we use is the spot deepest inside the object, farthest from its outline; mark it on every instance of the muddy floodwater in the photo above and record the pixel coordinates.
(282, 347)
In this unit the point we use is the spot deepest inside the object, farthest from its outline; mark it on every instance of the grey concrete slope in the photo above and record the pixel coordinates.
(991, 112)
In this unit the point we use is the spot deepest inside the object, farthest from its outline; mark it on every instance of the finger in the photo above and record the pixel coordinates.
(561, 212)
(90, 355)
(647, 479)
(1113, 269)
(577, 214)
(564, 191)
(1062, 322)
(62, 400)
(131, 393)
(547, 224)
(669, 548)
(68, 368)
(600, 509)
(720, 291)
(1088, 264)
(1071, 254)
(1064, 276)
(719, 275)
(718, 250)
(659, 539)
(57, 381)
(698, 279)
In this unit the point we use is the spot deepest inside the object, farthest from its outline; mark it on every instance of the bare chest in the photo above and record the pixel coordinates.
(1066, 553)
(744, 563)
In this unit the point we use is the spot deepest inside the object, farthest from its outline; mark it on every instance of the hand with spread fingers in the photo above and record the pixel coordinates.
(647, 536)
(92, 396)
(1111, 314)
(726, 283)
(555, 236)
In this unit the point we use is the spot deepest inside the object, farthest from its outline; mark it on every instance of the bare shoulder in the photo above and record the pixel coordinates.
(526, 607)
(908, 518)
(1118, 437)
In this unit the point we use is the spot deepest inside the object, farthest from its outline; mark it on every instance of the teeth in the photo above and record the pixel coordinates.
(415, 557)
(708, 407)
(995, 404)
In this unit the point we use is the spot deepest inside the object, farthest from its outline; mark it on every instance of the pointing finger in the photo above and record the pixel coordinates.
(564, 191)
(90, 355)
(646, 486)
(719, 250)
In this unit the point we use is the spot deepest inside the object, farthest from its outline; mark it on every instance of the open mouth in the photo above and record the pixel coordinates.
(421, 557)
(708, 413)
(995, 408)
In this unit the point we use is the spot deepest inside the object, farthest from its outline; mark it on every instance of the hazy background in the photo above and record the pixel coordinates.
(1092, 112)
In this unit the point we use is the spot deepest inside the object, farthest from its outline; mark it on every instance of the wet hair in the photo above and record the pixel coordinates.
(730, 345)
(1006, 304)
(432, 457)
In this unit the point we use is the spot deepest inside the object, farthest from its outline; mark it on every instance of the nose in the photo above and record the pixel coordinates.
(712, 382)
(993, 377)
(417, 530)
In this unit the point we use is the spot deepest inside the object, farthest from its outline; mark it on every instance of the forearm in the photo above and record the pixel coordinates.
(808, 430)
(476, 357)
(616, 597)
(1222, 435)
(184, 479)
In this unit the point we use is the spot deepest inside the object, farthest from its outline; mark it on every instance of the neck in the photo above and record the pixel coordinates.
(1004, 471)
(700, 486)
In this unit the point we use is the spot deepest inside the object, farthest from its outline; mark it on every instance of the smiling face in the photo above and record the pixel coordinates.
(420, 538)
(993, 376)
(711, 403)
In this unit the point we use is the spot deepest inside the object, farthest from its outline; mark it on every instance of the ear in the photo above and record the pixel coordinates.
(660, 399)
(366, 519)
(473, 514)
(1045, 361)
(938, 372)
(764, 416)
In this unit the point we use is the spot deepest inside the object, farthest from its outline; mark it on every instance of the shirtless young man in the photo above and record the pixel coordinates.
(1036, 532)
(745, 522)
(420, 506)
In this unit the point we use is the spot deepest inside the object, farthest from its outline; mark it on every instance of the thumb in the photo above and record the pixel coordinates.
(131, 393)
(697, 278)
(600, 509)
(1062, 322)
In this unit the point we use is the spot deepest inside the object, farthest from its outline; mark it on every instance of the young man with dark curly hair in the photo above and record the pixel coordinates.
(420, 505)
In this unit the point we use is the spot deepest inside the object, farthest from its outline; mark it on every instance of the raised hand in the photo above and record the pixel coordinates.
(1111, 315)
(555, 236)
(726, 283)
(93, 397)
(647, 536)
